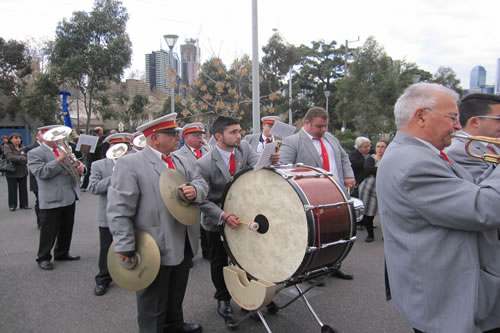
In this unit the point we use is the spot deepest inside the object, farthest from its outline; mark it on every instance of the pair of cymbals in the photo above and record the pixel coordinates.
(187, 213)
(145, 268)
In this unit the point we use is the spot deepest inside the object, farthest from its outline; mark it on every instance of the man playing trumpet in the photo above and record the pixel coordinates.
(57, 193)
(99, 181)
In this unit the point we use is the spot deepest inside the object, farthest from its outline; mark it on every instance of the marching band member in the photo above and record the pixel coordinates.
(99, 181)
(432, 217)
(135, 203)
(217, 167)
(259, 140)
(57, 195)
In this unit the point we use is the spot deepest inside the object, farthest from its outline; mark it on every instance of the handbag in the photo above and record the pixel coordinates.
(7, 166)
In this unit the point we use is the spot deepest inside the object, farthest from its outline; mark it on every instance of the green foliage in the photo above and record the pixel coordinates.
(14, 68)
(92, 49)
(40, 102)
(448, 78)
(346, 139)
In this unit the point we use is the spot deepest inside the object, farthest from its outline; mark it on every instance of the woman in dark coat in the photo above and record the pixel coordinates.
(13, 152)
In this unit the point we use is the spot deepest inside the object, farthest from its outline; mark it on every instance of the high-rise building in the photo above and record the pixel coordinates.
(477, 77)
(158, 70)
(497, 85)
(190, 59)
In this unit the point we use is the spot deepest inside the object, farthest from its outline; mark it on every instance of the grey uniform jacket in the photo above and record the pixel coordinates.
(432, 220)
(215, 172)
(55, 184)
(99, 181)
(135, 203)
(298, 148)
(253, 140)
(186, 152)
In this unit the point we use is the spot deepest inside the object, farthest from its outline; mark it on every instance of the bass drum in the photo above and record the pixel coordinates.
(305, 222)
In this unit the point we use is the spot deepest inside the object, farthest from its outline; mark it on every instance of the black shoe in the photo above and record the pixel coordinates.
(25, 207)
(46, 265)
(100, 289)
(185, 328)
(342, 275)
(67, 257)
(12, 209)
(224, 309)
(317, 282)
(369, 239)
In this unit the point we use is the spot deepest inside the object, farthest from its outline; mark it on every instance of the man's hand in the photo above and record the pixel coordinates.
(349, 182)
(188, 191)
(275, 158)
(81, 168)
(124, 258)
(231, 220)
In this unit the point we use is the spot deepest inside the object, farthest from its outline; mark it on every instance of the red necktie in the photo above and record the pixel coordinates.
(232, 165)
(56, 152)
(197, 152)
(491, 149)
(445, 157)
(267, 141)
(324, 155)
(168, 160)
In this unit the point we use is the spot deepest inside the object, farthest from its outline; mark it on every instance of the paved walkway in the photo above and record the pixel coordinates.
(62, 300)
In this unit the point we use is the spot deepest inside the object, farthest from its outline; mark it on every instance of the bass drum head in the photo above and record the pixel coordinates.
(265, 196)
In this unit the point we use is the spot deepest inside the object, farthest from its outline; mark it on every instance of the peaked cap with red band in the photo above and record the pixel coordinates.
(119, 138)
(193, 127)
(165, 124)
(270, 119)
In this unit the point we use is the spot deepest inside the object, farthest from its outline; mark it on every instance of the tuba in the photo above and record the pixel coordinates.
(117, 150)
(492, 158)
(59, 136)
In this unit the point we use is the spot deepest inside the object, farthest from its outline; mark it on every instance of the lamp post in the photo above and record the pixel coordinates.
(290, 98)
(327, 93)
(171, 40)
(346, 72)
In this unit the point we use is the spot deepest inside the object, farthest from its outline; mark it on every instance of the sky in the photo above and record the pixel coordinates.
(454, 33)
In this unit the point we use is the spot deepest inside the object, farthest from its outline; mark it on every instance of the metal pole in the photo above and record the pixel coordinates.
(255, 71)
(172, 83)
(290, 98)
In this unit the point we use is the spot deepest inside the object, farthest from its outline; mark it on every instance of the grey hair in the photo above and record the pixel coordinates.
(418, 95)
(359, 141)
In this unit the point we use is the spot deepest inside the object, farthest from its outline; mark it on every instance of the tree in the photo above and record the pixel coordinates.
(15, 66)
(92, 49)
(40, 101)
(448, 78)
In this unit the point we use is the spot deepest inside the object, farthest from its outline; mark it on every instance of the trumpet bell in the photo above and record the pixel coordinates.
(116, 151)
(57, 133)
(139, 141)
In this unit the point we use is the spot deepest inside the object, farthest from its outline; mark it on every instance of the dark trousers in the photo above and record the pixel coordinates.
(218, 259)
(13, 184)
(105, 240)
(56, 225)
(38, 212)
(204, 244)
(368, 223)
(159, 306)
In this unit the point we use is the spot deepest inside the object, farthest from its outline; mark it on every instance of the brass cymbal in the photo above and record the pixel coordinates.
(146, 268)
(185, 212)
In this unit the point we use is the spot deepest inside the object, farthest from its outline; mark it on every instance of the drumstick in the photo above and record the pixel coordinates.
(254, 226)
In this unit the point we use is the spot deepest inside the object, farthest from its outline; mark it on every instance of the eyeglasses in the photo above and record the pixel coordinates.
(489, 117)
(454, 118)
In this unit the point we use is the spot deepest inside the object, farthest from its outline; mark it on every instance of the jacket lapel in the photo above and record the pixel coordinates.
(219, 162)
(310, 147)
(151, 157)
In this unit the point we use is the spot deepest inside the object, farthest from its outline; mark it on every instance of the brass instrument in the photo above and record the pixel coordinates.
(492, 158)
(139, 141)
(117, 150)
(59, 136)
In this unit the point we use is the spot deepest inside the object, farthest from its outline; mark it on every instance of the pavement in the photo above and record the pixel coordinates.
(62, 300)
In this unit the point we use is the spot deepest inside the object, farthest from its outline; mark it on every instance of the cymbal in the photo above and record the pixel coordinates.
(146, 268)
(185, 212)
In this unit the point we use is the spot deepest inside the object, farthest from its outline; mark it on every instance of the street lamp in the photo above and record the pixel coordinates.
(290, 72)
(327, 93)
(171, 40)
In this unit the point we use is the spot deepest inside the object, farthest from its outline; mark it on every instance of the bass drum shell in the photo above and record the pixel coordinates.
(277, 197)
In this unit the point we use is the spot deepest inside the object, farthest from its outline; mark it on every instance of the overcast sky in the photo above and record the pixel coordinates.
(456, 33)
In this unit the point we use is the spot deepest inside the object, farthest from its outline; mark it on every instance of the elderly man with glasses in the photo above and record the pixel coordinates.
(433, 217)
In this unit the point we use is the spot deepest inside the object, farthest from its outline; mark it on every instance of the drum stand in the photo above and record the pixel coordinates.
(272, 308)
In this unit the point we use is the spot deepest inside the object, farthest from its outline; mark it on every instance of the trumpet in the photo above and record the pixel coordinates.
(59, 135)
(117, 150)
(492, 158)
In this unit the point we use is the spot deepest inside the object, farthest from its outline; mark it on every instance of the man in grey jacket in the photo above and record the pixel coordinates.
(259, 140)
(316, 147)
(99, 181)
(433, 215)
(135, 203)
(57, 195)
